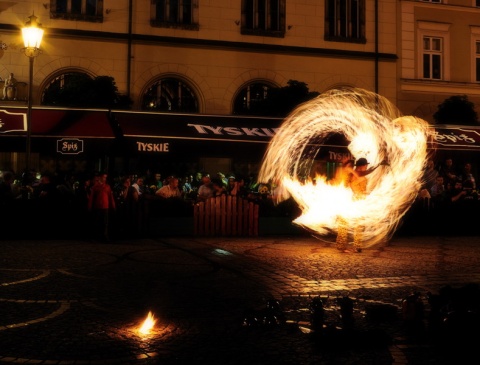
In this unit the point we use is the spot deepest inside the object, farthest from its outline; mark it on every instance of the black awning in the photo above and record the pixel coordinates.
(197, 127)
(456, 137)
(151, 132)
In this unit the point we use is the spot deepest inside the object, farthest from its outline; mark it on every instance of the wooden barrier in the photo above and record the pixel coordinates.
(226, 216)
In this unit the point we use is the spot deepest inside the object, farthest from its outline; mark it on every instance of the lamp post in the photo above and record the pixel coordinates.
(32, 34)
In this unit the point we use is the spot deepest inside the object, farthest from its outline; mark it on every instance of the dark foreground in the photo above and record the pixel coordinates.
(275, 300)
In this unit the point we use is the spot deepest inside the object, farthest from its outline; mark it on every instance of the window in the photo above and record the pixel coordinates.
(432, 58)
(87, 10)
(250, 100)
(174, 14)
(475, 52)
(67, 89)
(263, 17)
(170, 95)
(433, 51)
(345, 21)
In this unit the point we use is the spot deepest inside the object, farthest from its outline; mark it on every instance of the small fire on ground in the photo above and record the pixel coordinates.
(148, 324)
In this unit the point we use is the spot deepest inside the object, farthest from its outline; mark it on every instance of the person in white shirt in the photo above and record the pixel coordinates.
(171, 190)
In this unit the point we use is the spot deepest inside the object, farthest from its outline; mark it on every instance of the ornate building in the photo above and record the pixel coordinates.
(439, 53)
(219, 57)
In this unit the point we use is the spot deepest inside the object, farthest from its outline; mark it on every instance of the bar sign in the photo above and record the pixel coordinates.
(69, 146)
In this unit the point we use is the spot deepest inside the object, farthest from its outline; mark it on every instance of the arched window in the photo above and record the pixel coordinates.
(170, 95)
(67, 89)
(251, 98)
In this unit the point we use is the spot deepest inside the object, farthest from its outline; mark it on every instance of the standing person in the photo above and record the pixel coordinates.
(7, 194)
(437, 192)
(156, 183)
(101, 203)
(187, 189)
(171, 190)
(429, 175)
(467, 176)
(128, 208)
(218, 187)
(197, 180)
(205, 191)
(358, 184)
(449, 172)
(138, 183)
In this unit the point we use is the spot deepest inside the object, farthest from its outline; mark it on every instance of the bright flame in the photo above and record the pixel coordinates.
(375, 130)
(147, 324)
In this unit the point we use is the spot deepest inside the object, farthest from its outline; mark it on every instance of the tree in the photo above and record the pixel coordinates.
(458, 110)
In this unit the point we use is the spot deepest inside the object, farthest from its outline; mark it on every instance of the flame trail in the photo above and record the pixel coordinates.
(374, 129)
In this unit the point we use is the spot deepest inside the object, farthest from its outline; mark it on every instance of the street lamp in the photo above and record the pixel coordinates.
(32, 34)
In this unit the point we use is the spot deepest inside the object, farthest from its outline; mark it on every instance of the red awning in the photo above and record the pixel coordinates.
(59, 123)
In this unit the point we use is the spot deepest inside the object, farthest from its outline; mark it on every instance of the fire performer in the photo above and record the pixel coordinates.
(358, 183)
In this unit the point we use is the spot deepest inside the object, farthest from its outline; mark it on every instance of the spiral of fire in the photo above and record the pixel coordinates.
(372, 128)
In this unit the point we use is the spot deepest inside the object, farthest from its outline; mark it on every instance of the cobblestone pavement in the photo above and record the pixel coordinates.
(79, 302)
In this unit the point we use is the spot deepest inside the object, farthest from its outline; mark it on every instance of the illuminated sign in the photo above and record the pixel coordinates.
(12, 122)
(153, 147)
(70, 146)
(460, 137)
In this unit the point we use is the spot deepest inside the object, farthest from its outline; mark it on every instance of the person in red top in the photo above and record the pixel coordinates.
(101, 202)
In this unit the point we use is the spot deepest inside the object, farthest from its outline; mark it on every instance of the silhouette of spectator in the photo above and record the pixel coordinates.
(128, 208)
(187, 188)
(7, 187)
(205, 191)
(138, 183)
(154, 183)
(449, 172)
(197, 181)
(102, 204)
(429, 175)
(467, 176)
(171, 190)
(222, 178)
(218, 187)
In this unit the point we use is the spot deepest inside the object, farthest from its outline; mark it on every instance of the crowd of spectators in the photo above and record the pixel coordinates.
(96, 202)
(448, 198)
(448, 201)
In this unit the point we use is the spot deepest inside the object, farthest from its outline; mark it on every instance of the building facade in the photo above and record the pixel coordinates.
(213, 57)
(439, 53)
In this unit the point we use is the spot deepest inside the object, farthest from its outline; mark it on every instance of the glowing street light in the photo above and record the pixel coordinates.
(32, 34)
